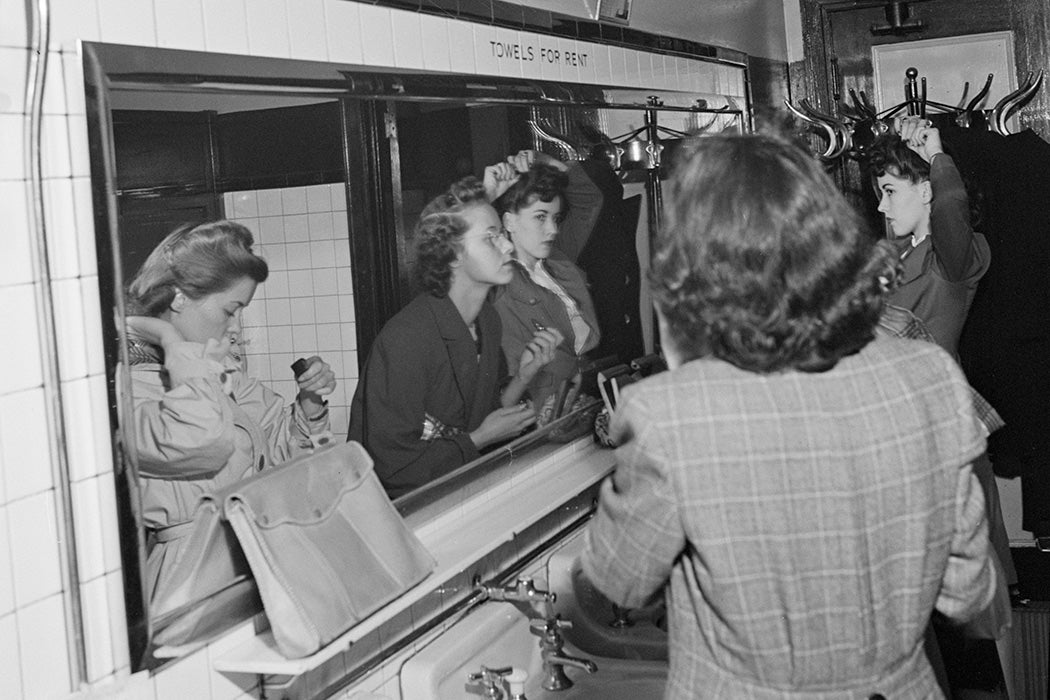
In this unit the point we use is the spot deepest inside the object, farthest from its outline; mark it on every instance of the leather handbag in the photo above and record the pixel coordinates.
(325, 545)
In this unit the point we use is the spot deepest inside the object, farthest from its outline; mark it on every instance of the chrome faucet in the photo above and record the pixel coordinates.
(490, 680)
(554, 658)
(523, 591)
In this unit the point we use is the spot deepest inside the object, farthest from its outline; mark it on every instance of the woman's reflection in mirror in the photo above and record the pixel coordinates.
(200, 422)
(435, 390)
(546, 289)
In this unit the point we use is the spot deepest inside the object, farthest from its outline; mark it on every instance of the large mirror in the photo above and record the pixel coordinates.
(329, 166)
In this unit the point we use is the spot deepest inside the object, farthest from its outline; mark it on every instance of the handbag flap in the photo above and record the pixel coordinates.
(306, 489)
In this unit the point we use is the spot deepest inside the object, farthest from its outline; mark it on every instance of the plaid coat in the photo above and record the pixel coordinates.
(806, 525)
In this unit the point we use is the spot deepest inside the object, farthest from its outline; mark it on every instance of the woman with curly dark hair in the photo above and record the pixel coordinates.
(802, 486)
(547, 289)
(929, 215)
(434, 391)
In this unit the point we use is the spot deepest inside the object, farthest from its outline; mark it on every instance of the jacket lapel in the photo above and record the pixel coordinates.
(460, 347)
(489, 366)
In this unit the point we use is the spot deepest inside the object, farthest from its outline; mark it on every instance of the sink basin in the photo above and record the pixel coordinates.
(497, 635)
(591, 613)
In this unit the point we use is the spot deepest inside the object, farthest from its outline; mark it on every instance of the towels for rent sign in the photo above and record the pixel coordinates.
(505, 51)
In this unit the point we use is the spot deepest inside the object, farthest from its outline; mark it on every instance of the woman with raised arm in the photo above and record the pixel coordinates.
(199, 421)
(434, 392)
(801, 487)
(546, 289)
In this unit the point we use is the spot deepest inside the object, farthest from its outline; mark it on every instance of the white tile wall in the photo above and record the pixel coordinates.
(461, 47)
(180, 24)
(587, 64)
(599, 57)
(343, 28)
(16, 262)
(377, 35)
(7, 586)
(72, 20)
(128, 22)
(21, 368)
(33, 659)
(13, 28)
(12, 83)
(225, 26)
(306, 30)
(509, 63)
(297, 312)
(408, 49)
(45, 663)
(530, 63)
(97, 637)
(24, 443)
(548, 54)
(568, 57)
(34, 548)
(435, 42)
(11, 145)
(268, 28)
(10, 658)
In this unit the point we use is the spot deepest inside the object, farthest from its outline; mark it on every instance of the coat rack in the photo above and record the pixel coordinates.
(634, 147)
(640, 149)
(860, 124)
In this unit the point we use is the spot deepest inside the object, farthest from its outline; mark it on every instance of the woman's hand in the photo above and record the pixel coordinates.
(524, 159)
(502, 424)
(498, 178)
(155, 331)
(316, 381)
(920, 136)
(539, 351)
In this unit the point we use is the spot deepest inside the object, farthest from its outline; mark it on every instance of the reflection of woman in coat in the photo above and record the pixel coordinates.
(434, 391)
(199, 423)
(547, 289)
(802, 488)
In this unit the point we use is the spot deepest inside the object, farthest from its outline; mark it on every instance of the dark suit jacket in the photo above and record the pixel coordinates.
(425, 361)
(521, 301)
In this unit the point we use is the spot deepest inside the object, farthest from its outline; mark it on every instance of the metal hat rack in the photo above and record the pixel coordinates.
(860, 124)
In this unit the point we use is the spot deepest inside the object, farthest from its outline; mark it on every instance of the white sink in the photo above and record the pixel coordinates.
(498, 635)
(591, 613)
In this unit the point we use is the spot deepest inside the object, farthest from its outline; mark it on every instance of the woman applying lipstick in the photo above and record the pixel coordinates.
(434, 392)
(546, 289)
(200, 423)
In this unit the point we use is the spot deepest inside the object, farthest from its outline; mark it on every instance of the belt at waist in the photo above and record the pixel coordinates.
(172, 532)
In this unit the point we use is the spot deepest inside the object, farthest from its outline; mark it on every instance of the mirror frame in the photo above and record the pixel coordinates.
(110, 66)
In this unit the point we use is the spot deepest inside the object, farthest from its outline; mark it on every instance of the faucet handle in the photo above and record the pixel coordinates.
(551, 624)
(491, 680)
(516, 683)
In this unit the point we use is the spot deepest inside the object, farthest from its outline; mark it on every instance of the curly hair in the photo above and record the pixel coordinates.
(762, 263)
(542, 182)
(197, 260)
(438, 233)
(889, 154)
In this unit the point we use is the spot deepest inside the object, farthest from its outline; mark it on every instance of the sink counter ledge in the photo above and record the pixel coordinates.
(456, 540)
